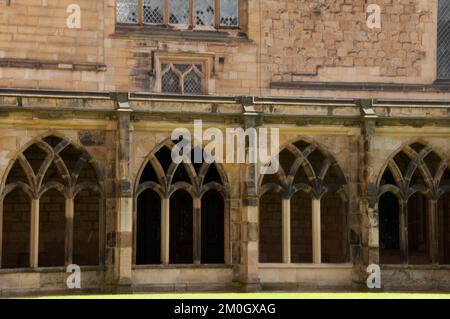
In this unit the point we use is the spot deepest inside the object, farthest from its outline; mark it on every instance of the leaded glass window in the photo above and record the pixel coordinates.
(443, 51)
(127, 11)
(153, 11)
(178, 12)
(187, 13)
(204, 13)
(192, 83)
(229, 13)
(181, 78)
(170, 82)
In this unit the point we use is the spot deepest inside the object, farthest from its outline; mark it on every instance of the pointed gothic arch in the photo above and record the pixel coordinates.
(415, 175)
(306, 175)
(202, 185)
(52, 165)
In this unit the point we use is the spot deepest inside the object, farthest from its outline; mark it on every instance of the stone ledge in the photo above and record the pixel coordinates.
(161, 32)
(439, 87)
(51, 65)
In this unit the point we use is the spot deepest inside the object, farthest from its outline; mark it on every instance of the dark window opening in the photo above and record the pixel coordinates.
(86, 228)
(388, 178)
(16, 174)
(181, 175)
(181, 228)
(418, 230)
(300, 176)
(52, 229)
(70, 155)
(333, 225)
(301, 228)
(164, 156)
(402, 160)
(16, 230)
(35, 156)
(212, 175)
(213, 221)
(287, 159)
(432, 161)
(389, 229)
(149, 175)
(316, 159)
(53, 141)
(270, 234)
(148, 237)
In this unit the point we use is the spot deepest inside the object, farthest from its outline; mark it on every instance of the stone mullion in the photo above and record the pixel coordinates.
(316, 232)
(140, 11)
(217, 14)
(166, 12)
(286, 217)
(433, 230)
(34, 233)
(69, 231)
(165, 228)
(197, 231)
(191, 13)
(403, 229)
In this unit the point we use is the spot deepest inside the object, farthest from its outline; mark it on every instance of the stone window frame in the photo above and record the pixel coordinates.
(191, 25)
(35, 189)
(165, 189)
(315, 187)
(403, 191)
(206, 60)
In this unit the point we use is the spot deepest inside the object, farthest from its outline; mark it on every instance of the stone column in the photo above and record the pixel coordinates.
(369, 187)
(124, 195)
(286, 211)
(433, 230)
(316, 232)
(197, 231)
(249, 272)
(34, 235)
(69, 231)
(403, 225)
(364, 237)
(165, 227)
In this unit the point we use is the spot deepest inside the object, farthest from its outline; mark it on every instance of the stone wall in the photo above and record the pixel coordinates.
(336, 129)
(295, 40)
(330, 40)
